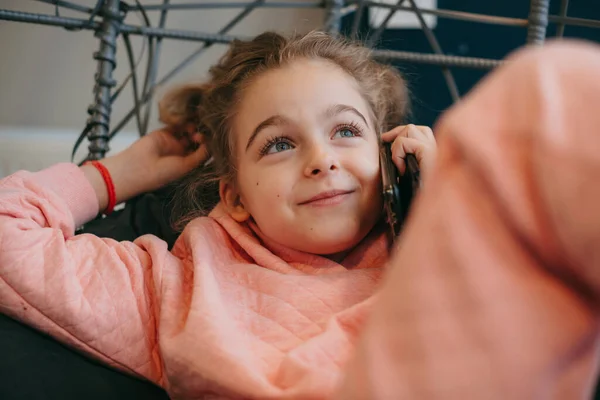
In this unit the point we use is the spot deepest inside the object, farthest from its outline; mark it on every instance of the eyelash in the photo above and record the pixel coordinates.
(352, 126)
(271, 141)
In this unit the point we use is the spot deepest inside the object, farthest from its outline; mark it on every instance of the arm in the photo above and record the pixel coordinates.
(92, 293)
(494, 291)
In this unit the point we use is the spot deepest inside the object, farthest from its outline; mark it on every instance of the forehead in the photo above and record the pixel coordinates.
(300, 90)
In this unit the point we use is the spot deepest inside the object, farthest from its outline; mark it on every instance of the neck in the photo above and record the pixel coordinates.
(337, 257)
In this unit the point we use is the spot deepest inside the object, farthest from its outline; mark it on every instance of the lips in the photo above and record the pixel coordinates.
(324, 197)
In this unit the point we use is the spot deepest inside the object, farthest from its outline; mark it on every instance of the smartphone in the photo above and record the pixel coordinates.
(398, 191)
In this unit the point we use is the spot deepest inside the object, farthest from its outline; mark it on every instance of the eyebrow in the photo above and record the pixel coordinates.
(336, 109)
(277, 120)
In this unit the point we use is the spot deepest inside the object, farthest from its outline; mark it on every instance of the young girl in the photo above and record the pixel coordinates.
(263, 298)
(492, 292)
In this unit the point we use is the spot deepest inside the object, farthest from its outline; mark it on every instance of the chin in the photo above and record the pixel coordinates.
(330, 242)
(336, 236)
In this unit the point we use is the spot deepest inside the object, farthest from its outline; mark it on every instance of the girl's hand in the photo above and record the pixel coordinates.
(164, 156)
(148, 164)
(412, 139)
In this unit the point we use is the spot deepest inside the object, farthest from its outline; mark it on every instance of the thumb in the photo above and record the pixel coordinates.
(403, 146)
(195, 158)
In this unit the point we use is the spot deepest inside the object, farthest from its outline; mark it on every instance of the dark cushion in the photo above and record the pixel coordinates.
(34, 366)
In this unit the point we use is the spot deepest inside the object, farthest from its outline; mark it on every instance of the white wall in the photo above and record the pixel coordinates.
(46, 73)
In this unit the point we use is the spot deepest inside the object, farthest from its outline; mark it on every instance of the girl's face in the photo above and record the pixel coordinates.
(307, 159)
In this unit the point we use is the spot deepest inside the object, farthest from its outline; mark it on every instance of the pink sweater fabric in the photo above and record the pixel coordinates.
(224, 312)
(493, 291)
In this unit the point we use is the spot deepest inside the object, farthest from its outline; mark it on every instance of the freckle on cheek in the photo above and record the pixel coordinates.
(256, 183)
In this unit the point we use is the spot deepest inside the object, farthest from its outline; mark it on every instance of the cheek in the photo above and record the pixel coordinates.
(367, 170)
(262, 191)
(372, 170)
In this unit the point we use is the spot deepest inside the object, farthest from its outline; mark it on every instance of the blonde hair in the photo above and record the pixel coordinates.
(210, 106)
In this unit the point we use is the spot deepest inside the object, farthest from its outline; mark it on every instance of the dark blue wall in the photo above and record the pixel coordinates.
(429, 90)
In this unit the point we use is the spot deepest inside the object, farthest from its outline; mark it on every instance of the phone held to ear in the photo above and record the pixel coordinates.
(398, 191)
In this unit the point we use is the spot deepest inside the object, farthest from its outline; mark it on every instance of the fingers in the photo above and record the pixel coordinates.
(403, 146)
(196, 158)
(188, 143)
(189, 138)
(411, 139)
(412, 131)
(423, 151)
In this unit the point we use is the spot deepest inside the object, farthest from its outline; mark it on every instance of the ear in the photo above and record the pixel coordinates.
(230, 197)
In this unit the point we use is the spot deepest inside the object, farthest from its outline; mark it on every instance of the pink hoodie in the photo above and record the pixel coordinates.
(493, 291)
(224, 312)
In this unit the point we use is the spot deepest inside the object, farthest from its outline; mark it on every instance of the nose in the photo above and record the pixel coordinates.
(321, 161)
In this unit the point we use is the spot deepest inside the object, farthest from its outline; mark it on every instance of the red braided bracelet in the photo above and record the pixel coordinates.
(110, 186)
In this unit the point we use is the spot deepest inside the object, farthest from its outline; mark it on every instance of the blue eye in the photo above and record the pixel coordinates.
(346, 132)
(281, 146)
(276, 145)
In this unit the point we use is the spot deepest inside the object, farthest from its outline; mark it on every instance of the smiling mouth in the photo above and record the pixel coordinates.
(328, 198)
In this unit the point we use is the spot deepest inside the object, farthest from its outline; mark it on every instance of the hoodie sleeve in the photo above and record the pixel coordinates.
(494, 291)
(92, 293)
